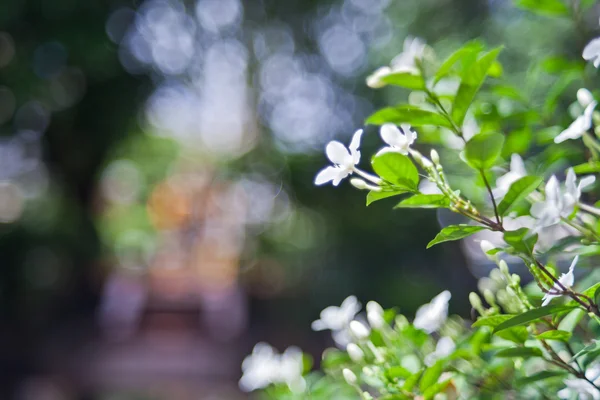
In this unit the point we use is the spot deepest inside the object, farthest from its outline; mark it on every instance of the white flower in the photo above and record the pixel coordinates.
(399, 140)
(355, 352)
(343, 159)
(445, 346)
(414, 49)
(375, 315)
(516, 172)
(581, 387)
(578, 127)
(591, 52)
(264, 367)
(337, 319)
(431, 316)
(558, 203)
(567, 280)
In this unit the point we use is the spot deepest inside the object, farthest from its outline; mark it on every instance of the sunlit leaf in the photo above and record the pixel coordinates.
(425, 201)
(431, 375)
(590, 167)
(482, 150)
(374, 196)
(551, 8)
(587, 349)
(521, 240)
(455, 232)
(470, 83)
(517, 192)
(408, 114)
(405, 80)
(531, 315)
(467, 53)
(517, 334)
(398, 170)
(540, 376)
(491, 320)
(562, 336)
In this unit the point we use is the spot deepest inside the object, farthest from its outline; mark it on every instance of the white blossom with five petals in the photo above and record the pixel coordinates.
(431, 316)
(398, 140)
(344, 160)
(567, 280)
(337, 319)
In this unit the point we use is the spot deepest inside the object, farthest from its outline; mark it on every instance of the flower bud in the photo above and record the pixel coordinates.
(475, 301)
(516, 279)
(349, 376)
(375, 319)
(401, 322)
(359, 331)
(584, 97)
(367, 396)
(358, 183)
(374, 307)
(488, 295)
(355, 353)
(435, 157)
(503, 268)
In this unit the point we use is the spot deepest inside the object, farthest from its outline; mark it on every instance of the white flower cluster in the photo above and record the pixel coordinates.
(265, 366)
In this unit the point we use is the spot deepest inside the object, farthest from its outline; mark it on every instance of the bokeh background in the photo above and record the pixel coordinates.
(157, 210)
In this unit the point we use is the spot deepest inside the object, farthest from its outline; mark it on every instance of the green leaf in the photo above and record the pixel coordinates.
(425, 201)
(491, 320)
(334, 358)
(398, 170)
(517, 192)
(472, 80)
(563, 336)
(397, 372)
(531, 315)
(524, 352)
(590, 167)
(482, 150)
(374, 196)
(521, 240)
(411, 381)
(432, 390)
(405, 80)
(408, 114)
(466, 53)
(558, 64)
(517, 334)
(552, 8)
(455, 232)
(539, 377)
(431, 375)
(587, 349)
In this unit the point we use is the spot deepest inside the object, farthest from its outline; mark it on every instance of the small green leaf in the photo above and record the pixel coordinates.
(374, 196)
(590, 167)
(432, 390)
(517, 192)
(467, 53)
(491, 320)
(425, 201)
(521, 240)
(398, 170)
(531, 315)
(472, 80)
(552, 8)
(539, 377)
(562, 336)
(587, 349)
(482, 150)
(405, 80)
(524, 352)
(334, 358)
(455, 232)
(431, 375)
(411, 381)
(517, 334)
(408, 114)
(396, 372)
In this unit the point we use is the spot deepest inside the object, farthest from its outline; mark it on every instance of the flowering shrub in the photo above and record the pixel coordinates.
(534, 340)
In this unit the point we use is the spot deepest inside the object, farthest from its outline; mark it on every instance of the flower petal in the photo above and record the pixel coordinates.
(591, 50)
(392, 135)
(586, 181)
(517, 165)
(337, 152)
(327, 174)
